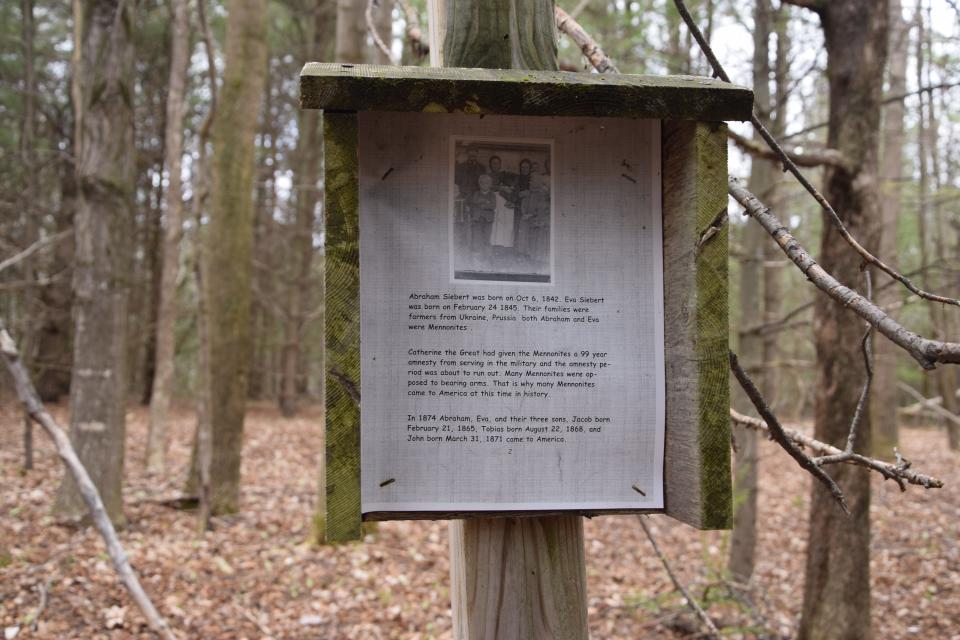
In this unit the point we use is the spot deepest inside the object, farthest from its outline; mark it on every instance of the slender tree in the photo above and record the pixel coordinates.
(931, 213)
(883, 402)
(743, 540)
(836, 602)
(102, 101)
(351, 31)
(306, 196)
(30, 226)
(229, 244)
(167, 310)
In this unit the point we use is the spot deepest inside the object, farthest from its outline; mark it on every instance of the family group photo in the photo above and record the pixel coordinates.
(501, 210)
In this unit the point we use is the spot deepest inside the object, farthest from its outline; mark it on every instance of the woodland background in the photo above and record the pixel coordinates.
(154, 301)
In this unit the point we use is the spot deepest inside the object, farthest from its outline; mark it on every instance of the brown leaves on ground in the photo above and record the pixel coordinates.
(258, 575)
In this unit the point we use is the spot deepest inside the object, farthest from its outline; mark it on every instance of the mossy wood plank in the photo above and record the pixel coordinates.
(697, 455)
(342, 327)
(343, 87)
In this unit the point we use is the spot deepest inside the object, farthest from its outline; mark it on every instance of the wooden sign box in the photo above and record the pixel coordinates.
(693, 169)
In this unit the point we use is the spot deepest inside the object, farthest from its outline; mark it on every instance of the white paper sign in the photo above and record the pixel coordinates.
(511, 313)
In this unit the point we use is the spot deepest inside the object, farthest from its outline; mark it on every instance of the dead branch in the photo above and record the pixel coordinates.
(886, 101)
(41, 606)
(779, 436)
(925, 351)
(929, 403)
(867, 351)
(372, 28)
(31, 402)
(591, 50)
(415, 36)
(577, 10)
(812, 158)
(33, 248)
(790, 166)
(712, 631)
(899, 472)
(780, 324)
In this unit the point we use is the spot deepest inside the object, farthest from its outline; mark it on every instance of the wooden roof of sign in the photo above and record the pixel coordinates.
(348, 87)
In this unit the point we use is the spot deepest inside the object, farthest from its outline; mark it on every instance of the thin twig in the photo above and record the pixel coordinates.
(588, 46)
(929, 403)
(372, 28)
(712, 631)
(33, 248)
(899, 472)
(418, 40)
(924, 350)
(41, 606)
(867, 350)
(790, 166)
(780, 436)
(31, 402)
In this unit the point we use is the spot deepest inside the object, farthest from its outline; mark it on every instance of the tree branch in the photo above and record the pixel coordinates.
(899, 472)
(789, 165)
(929, 403)
(779, 435)
(588, 46)
(34, 407)
(372, 28)
(925, 351)
(415, 36)
(812, 158)
(712, 631)
(33, 248)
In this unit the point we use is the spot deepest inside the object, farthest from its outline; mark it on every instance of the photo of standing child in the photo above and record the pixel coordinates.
(500, 210)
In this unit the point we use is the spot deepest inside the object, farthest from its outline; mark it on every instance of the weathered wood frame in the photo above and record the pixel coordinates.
(697, 485)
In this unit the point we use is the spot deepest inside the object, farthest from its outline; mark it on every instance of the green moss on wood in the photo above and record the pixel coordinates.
(712, 327)
(337, 87)
(342, 319)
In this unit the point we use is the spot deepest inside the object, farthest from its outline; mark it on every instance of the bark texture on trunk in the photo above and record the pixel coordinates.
(836, 603)
(103, 106)
(307, 185)
(931, 218)
(511, 577)
(228, 253)
(31, 312)
(351, 31)
(170, 262)
(883, 403)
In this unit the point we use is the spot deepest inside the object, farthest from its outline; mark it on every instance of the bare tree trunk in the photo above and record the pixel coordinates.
(31, 231)
(261, 321)
(932, 217)
(743, 539)
(883, 402)
(102, 91)
(167, 310)
(510, 577)
(351, 31)
(85, 486)
(202, 452)
(836, 602)
(307, 189)
(228, 254)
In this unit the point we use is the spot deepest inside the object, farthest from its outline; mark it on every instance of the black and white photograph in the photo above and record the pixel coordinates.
(501, 210)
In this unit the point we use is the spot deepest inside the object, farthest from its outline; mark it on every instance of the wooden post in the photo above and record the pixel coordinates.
(510, 577)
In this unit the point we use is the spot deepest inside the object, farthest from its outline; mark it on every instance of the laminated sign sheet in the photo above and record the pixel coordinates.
(511, 311)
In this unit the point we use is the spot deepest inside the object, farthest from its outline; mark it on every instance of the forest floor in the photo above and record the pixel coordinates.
(258, 575)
